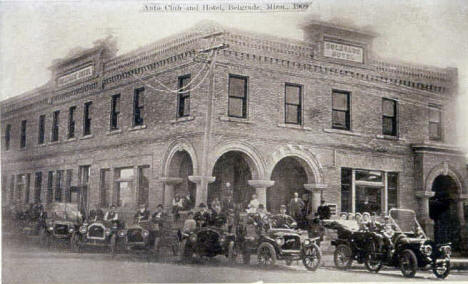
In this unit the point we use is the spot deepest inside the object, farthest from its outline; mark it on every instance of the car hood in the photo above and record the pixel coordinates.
(283, 232)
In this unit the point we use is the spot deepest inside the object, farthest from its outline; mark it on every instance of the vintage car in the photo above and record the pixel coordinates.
(98, 233)
(412, 249)
(272, 244)
(61, 221)
(136, 237)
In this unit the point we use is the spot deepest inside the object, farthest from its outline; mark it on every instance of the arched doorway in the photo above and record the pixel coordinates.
(182, 166)
(232, 167)
(290, 175)
(443, 210)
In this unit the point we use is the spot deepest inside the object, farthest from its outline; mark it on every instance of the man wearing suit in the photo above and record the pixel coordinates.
(296, 205)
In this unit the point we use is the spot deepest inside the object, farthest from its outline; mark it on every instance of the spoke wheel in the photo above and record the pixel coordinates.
(373, 261)
(312, 257)
(343, 257)
(441, 270)
(266, 255)
(408, 263)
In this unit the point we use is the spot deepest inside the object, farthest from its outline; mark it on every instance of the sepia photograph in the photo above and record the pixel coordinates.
(234, 141)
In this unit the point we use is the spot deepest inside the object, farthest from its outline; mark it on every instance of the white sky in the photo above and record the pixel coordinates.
(33, 33)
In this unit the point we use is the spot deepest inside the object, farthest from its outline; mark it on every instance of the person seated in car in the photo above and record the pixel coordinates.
(364, 226)
(343, 216)
(190, 225)
(99, 214)
(111, 215)
(261, 219)
(142, 214)
(218, 217)
(92, 217)
(387, 232)
(203, 216)
(283, 220)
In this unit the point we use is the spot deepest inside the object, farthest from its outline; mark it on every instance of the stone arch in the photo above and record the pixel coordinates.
(445, 170)
(254, 159)
(174, 147)
(304, 156)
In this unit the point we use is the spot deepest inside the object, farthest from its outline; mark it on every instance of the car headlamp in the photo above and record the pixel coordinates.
(71, 230)
(426, 250)
(306, 242)
(122, 233)
(51, 228)
(145, 233)
(108, 232)
(222, 239)
(446, 250)
(193, 238)
(83, 229)
(279, 241)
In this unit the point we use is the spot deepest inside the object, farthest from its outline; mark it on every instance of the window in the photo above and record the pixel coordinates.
(50, 182)
(115, 111)
(58, 186)
(38, 187)
(125, 188)
(55, 126)
(138, 106)
(143, 184)
(293, 104)
(435, 132)
(237, 104)
(105, 190)
(71, 122)
(41, 130)
(392, 185)
(87, 118)
(340, 110)
(12, 190)
(69, 176)
(22, 188)
(7, 136)
(183, 104)
(389, 117)
(346, 201)
(23, 134)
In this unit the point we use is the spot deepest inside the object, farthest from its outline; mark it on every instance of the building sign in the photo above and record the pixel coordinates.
(343, 51)
(75, 76)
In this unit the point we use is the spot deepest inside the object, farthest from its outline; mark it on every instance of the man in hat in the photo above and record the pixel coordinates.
(323, 211)
(283, 220)
(111, 215)
(203, 216)
(142, 215)
(296, 206)
(261, 218)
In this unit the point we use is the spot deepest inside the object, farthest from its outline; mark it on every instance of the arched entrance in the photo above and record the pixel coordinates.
(443, 211)
(233, 167)
(289, 174)
(181, 166)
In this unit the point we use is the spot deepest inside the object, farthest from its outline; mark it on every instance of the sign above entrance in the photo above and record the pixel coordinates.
(75, 76)
(343, 51)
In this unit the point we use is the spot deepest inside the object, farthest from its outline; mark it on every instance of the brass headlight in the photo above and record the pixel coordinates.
(279, 241)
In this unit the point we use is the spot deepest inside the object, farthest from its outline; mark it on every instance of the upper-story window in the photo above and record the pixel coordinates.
(115, 111)
(7, 136)
(87, 118)
(55, 126)
(237, 104)
(138, 106)
(293, 104)
(435, 120)
(71, 122)
(41, 130)
(389, 117)
(340, 110)
(183, 102)
(23, 134)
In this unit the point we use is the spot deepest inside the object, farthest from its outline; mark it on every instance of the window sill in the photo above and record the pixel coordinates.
(182, 119)
(87, 137)
(138, 127)
(235, 119)
(389, 137)
(294, 126)
(53, 142)
(340, 131)
(71, 139)
(114, 132)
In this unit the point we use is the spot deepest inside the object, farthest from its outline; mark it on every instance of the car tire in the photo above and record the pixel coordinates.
(343, 257)
(232, 254)
(266, 254)
(75, 243)
(372, 261)
(312, 257)
(44, 240)
(441, 270)
(408, 263)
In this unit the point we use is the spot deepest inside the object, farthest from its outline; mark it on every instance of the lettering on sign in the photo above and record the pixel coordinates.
(343, 51)
(75, 76)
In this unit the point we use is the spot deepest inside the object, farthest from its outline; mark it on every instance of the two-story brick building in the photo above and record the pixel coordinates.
(322, 117)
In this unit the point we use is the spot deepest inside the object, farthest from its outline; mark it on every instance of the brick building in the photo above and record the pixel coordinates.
(323, 117)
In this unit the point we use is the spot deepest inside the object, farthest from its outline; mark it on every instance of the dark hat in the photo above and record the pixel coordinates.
(261, 206)
(202, 205)
(160, 205)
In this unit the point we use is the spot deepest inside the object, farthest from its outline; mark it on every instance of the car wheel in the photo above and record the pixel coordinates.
(75, 242)
(232, 254)
(373, 262)
(408, 263)
(441, 270)
(44, 240)
(113, 245)
(312, 257)
(343, 257)
(266, 254)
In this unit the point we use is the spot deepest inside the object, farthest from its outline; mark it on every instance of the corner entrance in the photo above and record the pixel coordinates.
(443, 211)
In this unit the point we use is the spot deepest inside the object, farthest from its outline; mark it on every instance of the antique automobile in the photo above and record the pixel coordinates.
(272, 244)
(412, 249)
(61, 221)
(98, 234)
(136, 237)
(208, 241)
